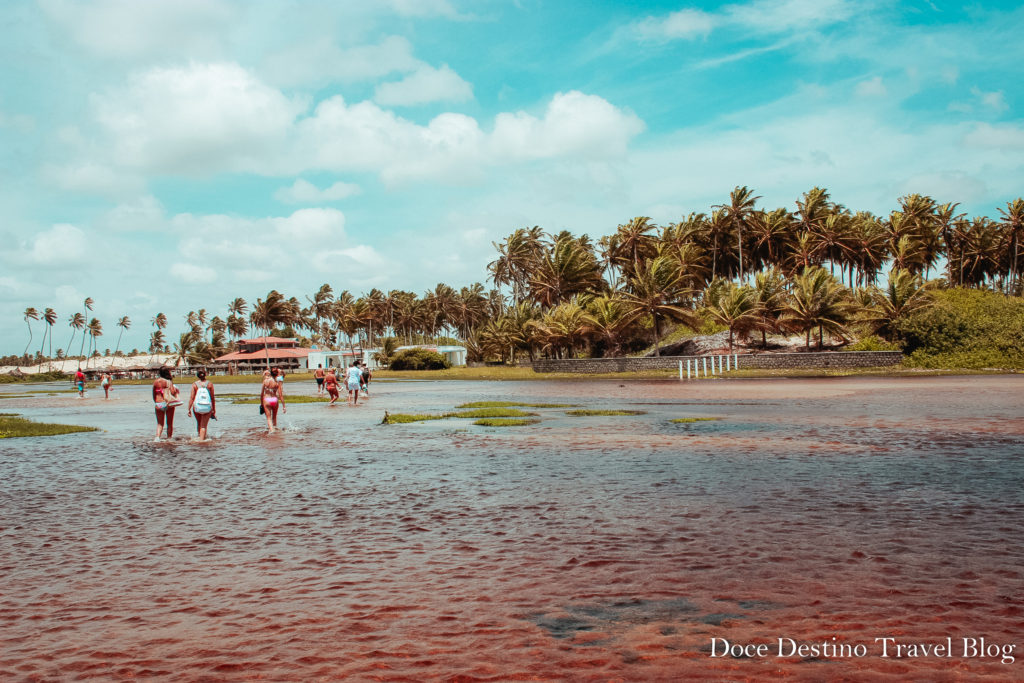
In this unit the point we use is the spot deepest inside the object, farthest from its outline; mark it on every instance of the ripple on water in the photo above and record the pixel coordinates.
(598, 548)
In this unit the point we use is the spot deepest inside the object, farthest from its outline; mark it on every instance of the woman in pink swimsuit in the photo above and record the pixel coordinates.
(272, 398)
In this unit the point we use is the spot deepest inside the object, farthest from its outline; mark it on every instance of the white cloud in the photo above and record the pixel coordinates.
(62, 245)
(132, 29)
(993, 100)
(575, 124)
(17, 122)
(998, 137)
(198, 119)
(305, 192)
(207, 119)
(777, 16)
(685, 24)
(192, 273)
(317, 62)
(425, 85)
(873, 87)
(92, 177)
(143, 214)
(757, 16)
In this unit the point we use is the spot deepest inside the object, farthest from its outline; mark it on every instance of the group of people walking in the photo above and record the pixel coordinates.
(356, 379)
(202, 402)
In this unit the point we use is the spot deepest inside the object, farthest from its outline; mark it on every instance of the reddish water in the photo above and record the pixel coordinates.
(574, 549)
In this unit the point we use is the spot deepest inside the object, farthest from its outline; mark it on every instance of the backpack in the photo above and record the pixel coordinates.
(203, 399)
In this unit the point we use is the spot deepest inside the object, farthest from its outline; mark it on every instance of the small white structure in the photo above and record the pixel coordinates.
(456, 355)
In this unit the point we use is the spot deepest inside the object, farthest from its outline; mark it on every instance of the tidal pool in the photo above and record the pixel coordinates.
(833, 511)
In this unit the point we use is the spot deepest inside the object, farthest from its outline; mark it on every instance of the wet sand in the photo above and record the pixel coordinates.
(593, 548)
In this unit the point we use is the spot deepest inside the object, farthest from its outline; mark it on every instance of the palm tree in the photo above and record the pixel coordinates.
(566, 269)
(770, 286)
(160, 322)
(607, 317)
(30, 314)
(1013, 224)
(738, 210)
(905, 294)
(124, 323)
(88, 307)
(320, 304)
(735, 307)
(49, 317)
(817, 300)
(76, 321)
(657, 290)
(269, 313)
(94, 329)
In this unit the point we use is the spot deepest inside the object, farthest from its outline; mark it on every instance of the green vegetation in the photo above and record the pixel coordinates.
(966, 328)
(38, 377)
(588, 413)
(418, 359)
(404, 418)
(503, 422)
(12, 426)
(689, 420)
(513, 404)
(490, 412)
(873, 343)
(29, 395)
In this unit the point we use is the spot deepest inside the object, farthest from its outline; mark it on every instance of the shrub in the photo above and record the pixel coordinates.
(966, 328)
(418, 359)
(873, 343)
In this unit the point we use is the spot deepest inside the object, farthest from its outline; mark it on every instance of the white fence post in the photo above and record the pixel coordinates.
(736, 361)
(705, 359)
(680, 371)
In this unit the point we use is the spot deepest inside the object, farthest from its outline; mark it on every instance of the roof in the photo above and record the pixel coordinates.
(270, 340)
(263, 354)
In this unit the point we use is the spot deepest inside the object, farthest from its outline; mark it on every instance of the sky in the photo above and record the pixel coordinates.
(171, 155)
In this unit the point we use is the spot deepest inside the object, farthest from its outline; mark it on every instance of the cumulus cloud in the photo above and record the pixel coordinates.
(63, 244)
(143, 214)
(193, 273)
(317, 62)
(305, 192)
(91, 177)
(574, 124)
(425, 85)
(205, 119)
(873, 87)
(195, 119)
(131, 29)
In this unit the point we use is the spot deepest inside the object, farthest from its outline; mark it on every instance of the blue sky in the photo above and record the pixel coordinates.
(170, 155)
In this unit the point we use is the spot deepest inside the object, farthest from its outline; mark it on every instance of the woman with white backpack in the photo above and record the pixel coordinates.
(202, 403)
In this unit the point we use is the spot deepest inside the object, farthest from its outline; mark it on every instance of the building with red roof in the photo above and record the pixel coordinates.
(256, 354)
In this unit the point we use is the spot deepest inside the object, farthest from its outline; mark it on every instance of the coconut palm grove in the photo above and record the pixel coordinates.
(837, 276)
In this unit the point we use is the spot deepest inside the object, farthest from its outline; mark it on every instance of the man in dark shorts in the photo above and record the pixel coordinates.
(319, 375)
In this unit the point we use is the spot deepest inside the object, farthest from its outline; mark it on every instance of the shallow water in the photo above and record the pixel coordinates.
(582, 548)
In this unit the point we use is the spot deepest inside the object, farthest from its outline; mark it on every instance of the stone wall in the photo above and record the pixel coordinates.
(756, 361)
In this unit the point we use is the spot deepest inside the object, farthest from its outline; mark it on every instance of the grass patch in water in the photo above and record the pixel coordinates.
(503, 422)
(254, 400)
(491, 412)
(587, 413)
(512, 404)
(405, 418)
(15, 395)
(688, 420)
(12, 426)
